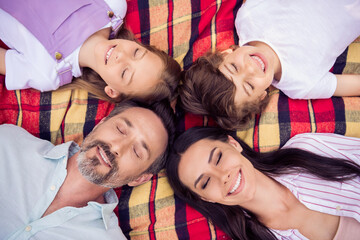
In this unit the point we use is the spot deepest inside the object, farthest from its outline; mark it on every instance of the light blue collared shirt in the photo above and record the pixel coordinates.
(31, 173)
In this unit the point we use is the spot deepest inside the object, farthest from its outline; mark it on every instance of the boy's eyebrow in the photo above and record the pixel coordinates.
(210, 157)
(228, 69)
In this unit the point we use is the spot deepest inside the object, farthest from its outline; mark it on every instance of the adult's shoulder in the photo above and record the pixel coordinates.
(327, 144)
(12, 136)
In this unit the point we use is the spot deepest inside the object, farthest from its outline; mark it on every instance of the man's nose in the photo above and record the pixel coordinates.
(120, 145)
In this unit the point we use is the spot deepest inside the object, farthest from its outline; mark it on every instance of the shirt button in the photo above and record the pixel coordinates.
(28, 228)
(338, 208)
(58, 56)
(110, 14)
(53, 187)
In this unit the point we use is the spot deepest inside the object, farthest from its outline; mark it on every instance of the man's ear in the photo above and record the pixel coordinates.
(234, 143)
(140, 180)
(111, 92)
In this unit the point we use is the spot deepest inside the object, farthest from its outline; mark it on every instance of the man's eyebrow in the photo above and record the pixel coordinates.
(146, 148)
(143, 143)
(210, 157)
(127, 122)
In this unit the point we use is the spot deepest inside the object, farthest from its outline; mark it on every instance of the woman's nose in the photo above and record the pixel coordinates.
(223, 176)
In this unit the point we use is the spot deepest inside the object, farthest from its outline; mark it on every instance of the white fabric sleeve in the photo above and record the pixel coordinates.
(22, 74)
(324, 88)
(118, 6)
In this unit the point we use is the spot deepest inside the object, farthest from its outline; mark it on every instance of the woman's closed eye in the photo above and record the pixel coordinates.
(205, 184)
(219, 158)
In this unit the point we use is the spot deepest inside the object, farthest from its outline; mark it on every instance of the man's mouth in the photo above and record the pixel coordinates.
(102, 157)
(236, 185)
(108, 54)
(259, 62)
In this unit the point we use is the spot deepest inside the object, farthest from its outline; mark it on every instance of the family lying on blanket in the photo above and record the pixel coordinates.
(65, 191)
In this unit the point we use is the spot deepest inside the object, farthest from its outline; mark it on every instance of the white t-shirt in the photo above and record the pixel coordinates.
(306, 35)
(28, 63)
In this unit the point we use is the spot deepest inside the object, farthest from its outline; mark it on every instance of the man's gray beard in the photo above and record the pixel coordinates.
(87, 166)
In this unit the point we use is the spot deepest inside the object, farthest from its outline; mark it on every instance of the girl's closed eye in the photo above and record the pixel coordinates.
(136, 52)
(124, 73)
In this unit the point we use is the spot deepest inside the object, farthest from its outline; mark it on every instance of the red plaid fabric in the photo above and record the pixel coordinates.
(186, 29)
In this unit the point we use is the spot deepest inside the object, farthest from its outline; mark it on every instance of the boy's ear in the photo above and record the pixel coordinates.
(234, 143)
(111, 92)
(227, 51)
(263, 95)
(140, 180)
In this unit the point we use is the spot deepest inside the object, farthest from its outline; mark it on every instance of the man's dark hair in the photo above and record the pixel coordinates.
(163, 110)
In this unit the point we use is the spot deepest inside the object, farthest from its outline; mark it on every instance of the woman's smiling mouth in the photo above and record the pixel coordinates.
(236, 185)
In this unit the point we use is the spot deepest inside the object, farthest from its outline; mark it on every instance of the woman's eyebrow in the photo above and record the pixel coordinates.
(210, 157)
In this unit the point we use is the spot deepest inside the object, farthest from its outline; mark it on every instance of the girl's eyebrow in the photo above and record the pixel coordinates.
(133, 73)
(210, 157)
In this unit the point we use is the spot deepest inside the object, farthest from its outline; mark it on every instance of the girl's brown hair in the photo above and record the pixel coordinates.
(206, 91)
(165, 89)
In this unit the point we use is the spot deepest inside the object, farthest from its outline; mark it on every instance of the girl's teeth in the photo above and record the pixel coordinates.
(109, 53)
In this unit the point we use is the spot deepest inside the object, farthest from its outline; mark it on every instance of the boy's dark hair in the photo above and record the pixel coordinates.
(206, 91)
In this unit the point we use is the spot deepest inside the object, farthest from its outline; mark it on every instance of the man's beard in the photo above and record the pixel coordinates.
(87, 166)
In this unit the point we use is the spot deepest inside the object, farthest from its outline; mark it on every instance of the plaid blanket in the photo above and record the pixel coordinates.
(185, 29)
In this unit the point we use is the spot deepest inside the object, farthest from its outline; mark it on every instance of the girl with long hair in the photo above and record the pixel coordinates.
(309, 189)
(52, 43)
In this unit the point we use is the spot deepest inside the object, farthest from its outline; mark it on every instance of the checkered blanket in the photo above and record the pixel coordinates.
(185, 29)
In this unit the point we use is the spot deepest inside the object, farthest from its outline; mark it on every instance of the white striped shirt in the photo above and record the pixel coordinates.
(335, 198)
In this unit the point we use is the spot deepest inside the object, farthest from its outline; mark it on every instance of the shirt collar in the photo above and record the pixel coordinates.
(59, 151)
(107, 208)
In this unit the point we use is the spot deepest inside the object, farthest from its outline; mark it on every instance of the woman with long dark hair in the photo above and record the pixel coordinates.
(309, 189)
